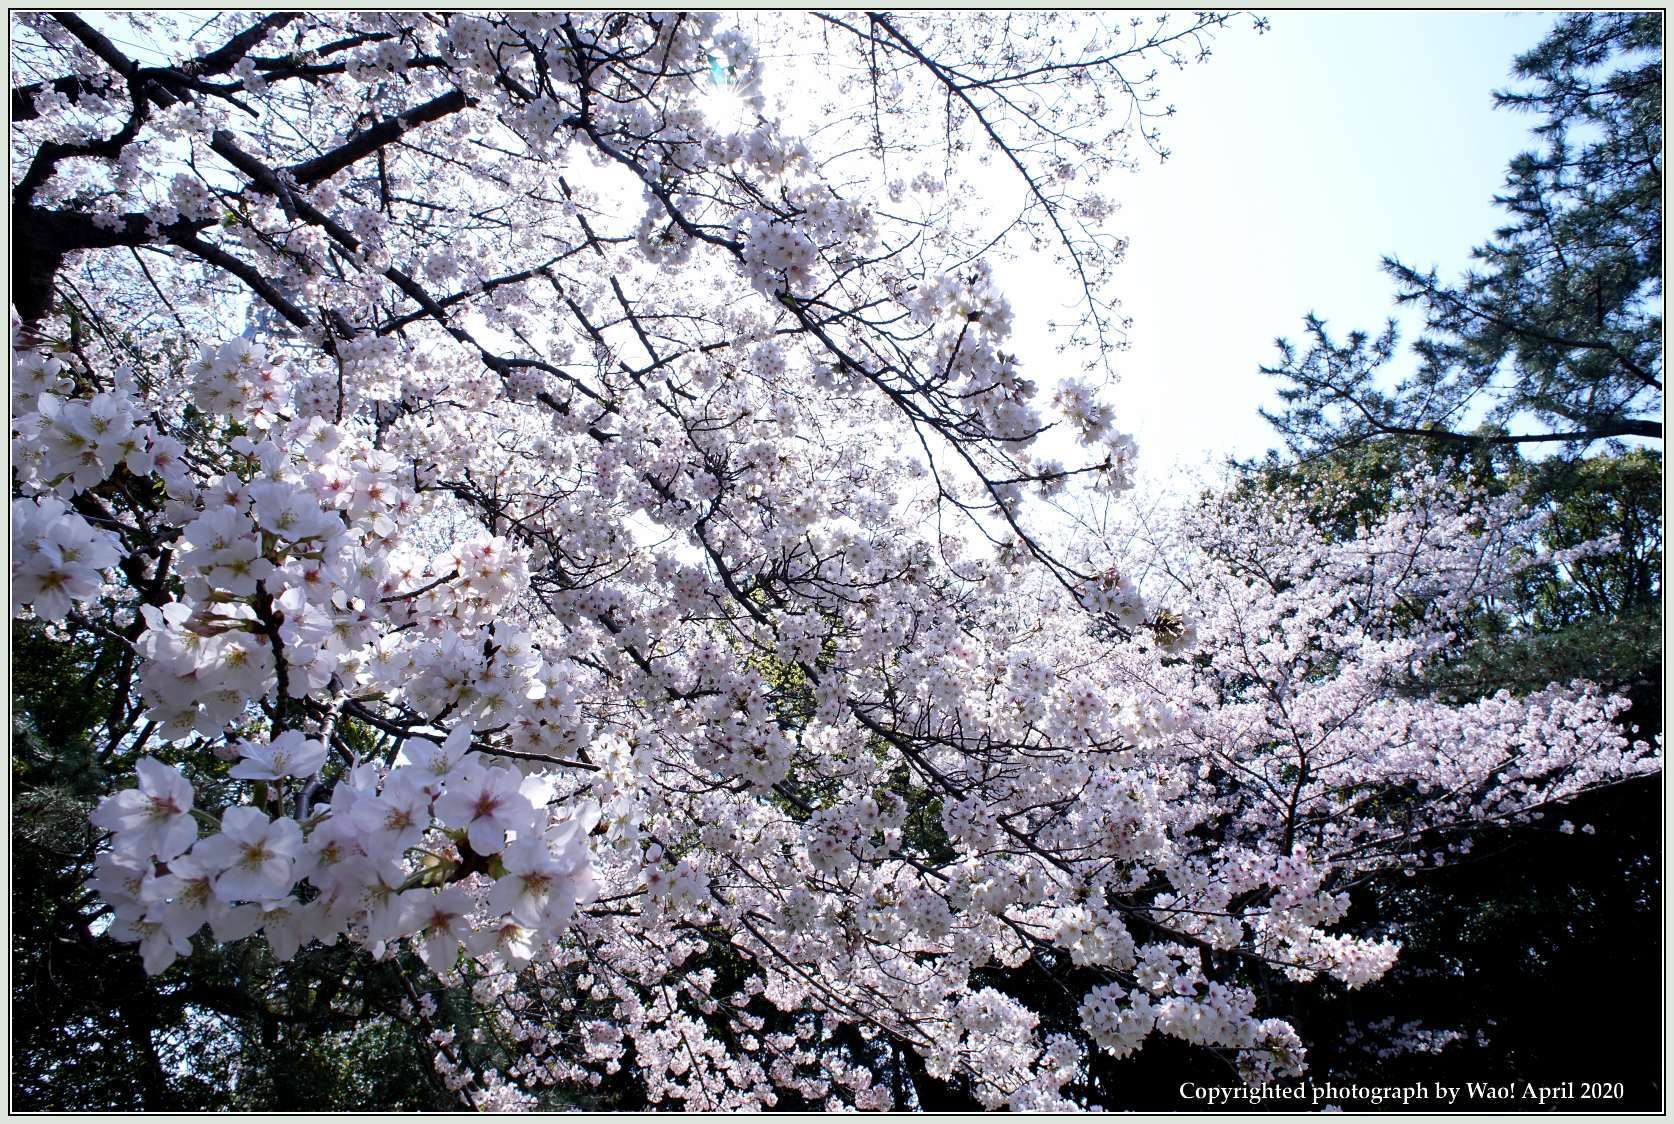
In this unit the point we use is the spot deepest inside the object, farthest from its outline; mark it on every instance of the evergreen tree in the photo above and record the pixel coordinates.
(1555, 334)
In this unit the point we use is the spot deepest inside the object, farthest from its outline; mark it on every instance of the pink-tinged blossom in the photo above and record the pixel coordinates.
(513, 943)
(433, 762)
(487, 803)
(536, 881)
(153, 820)
(56, 558)
(159, 945)
(186, 895)
(119, 878)
(397, 817)
(726, 589)
(383, 907)
(440, 923)
(290, 513)
(287, 924)
(226, 550)
(288, 755)
(255, 855)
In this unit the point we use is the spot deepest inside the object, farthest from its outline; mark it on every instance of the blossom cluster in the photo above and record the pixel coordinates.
(369, 863)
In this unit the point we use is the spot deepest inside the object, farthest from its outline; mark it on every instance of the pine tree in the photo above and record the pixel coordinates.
(1555, 334)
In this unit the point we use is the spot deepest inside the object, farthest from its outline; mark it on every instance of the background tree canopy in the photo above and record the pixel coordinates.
(1555, 335)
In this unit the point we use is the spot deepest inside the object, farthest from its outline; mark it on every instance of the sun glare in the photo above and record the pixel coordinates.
(725, 106)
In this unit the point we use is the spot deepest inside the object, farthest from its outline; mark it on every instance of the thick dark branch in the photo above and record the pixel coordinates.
(97, 43)
(41, 239)
(368, 141)
(1616, 427)
(1622, 427)
(225, 57)
(51, 153)
(72, 86)
(246, 273)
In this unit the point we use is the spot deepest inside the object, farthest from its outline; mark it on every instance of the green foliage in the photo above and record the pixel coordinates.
(1555, 333)
(1596, 617)
(1615, 498)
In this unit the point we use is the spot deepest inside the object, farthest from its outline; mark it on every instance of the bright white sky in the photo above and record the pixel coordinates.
(1299, 159)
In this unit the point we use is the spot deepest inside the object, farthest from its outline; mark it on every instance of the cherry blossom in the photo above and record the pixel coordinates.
(288, 755)
(253, 854)
(155, 819)
(56, 558)
(486, 803)
(614, 535)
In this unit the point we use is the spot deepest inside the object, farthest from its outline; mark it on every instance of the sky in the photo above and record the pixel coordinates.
(1300, 158)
